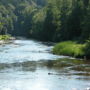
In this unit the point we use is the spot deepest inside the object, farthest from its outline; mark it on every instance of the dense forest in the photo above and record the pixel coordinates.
(16, 15)
(47, 20)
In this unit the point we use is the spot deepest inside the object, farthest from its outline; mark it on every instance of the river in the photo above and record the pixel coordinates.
(30, 65)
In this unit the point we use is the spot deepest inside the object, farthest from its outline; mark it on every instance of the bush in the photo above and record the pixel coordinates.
(69, 48)
(5, 37)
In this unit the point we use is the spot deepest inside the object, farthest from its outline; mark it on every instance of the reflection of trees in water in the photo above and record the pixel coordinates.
(24, 66)
(50, 63)
(29, 66)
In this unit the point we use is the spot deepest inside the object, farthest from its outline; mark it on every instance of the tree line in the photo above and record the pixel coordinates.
(47, 20)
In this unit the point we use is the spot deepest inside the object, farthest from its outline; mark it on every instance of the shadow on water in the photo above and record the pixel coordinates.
(23, 66)
(48, 71)
(62, 66)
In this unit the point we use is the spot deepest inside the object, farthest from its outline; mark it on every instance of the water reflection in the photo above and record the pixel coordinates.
(68, 66)
(43, 75)
(29, 65)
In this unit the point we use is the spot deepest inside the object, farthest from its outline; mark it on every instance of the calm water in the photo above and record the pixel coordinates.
(29, 65)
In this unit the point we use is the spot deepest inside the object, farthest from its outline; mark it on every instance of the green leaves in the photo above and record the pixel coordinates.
(69, 48)
(49, 20)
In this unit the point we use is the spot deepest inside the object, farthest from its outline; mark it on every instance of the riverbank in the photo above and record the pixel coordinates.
(71, 48)
(4, 39)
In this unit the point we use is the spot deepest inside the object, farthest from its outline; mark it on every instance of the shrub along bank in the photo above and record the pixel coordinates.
(71, 48)
(5, 37)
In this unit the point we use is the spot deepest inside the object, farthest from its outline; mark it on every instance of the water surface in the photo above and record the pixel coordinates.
(30, 65)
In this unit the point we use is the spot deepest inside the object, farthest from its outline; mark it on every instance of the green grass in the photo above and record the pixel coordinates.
(5, 37)
(69, 48)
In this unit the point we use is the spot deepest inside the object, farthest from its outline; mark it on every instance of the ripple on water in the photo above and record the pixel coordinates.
(30, 50)
(29, 65)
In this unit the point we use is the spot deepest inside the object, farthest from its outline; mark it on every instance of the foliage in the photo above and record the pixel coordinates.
(69, 48)
(86, 25)
(5, 37)
(48, 20)
(87, 49)
(16, 15)
(64, 20)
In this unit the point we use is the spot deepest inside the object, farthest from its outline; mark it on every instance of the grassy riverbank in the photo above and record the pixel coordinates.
(5, 37)
(70, 48)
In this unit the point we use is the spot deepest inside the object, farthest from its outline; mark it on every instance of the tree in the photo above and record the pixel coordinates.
(86, 25)
(74, 21)
(49, 26)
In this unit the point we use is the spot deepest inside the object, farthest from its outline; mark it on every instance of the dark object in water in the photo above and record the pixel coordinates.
(50, 73)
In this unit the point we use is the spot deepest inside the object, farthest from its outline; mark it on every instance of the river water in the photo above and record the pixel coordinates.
(29, 65)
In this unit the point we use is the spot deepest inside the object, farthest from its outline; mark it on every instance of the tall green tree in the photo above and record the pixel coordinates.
(86, 24)
(49, 26)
